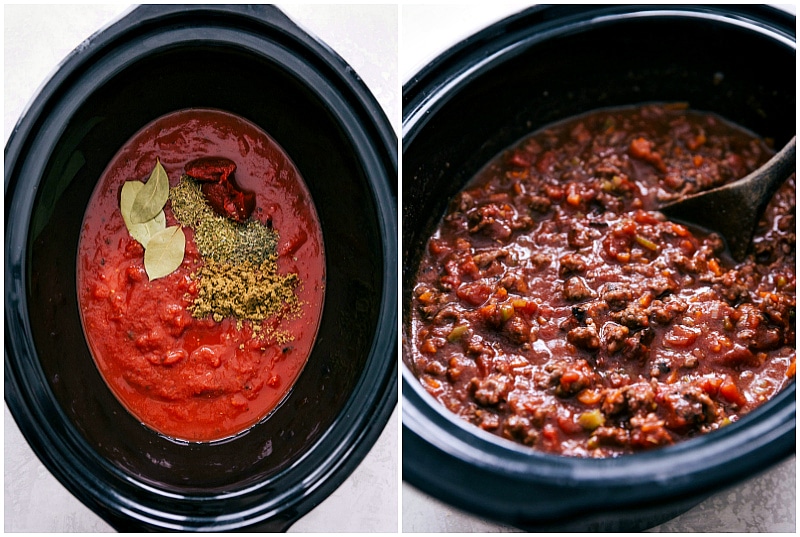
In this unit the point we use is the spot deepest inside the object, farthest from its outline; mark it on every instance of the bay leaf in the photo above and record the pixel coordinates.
(152, 197)
(164, 252)
(141, 232)
(144, 232)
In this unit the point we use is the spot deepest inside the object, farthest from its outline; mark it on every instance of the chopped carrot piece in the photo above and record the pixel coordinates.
(730, 391)
(713, 264)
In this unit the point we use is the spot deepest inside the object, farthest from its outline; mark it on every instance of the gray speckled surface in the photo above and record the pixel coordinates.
(36, 39)
(765, 504)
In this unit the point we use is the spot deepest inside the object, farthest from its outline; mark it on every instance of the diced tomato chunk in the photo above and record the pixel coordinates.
(682, 336)
(568, 425)
(546, 161)
(475, 293)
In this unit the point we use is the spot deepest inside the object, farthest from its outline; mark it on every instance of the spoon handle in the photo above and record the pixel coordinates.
(733, 209)
(777, 169)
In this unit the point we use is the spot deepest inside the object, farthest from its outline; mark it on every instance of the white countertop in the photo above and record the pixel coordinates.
(37, 39)
(767, 503)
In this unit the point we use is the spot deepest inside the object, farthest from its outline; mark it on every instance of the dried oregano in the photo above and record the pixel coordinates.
(217, 237)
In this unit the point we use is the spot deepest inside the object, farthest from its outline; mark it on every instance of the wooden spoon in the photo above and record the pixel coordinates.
(733, 210)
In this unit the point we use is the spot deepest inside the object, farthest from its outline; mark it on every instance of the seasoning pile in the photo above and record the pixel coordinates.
(239, 275)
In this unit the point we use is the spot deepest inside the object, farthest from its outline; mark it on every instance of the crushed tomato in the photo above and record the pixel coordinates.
(187, 378)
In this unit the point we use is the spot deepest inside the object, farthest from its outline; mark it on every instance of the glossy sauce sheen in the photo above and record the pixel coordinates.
(556, 308)
(227, 380)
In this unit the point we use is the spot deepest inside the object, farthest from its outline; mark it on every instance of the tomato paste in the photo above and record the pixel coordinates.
(221, 192)
(190, 378)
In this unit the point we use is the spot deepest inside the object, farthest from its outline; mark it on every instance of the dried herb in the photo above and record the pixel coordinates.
(163, 247)
(164, 252)
(188, 203)
(150, 200)
(244, 291)
(140, 232)
(217, 237)
(239, 276)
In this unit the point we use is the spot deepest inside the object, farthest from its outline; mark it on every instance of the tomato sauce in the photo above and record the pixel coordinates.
(188, 378)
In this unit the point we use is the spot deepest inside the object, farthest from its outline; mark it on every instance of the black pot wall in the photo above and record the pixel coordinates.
(537, 67)
(255, 63)
(324, 155)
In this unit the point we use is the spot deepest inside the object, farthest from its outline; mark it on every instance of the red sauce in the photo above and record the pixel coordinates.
(556, 307)
(187, 378)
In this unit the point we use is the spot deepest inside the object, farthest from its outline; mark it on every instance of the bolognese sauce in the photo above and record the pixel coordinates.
(556, 307)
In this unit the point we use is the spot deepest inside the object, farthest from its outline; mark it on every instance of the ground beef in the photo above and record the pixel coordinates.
(575, 289)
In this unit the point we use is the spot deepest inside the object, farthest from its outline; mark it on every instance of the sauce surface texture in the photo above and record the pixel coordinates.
(206, 378)
(556, 308)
